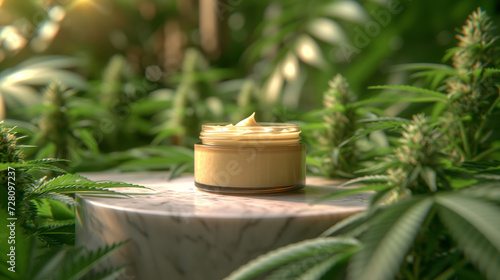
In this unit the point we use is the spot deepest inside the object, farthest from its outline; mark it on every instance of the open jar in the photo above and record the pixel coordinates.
(265, 158)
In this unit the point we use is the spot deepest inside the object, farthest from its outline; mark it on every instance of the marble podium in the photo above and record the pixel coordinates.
(180, 232)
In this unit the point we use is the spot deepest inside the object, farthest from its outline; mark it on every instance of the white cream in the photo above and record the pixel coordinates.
(249, 132)
(250, 121)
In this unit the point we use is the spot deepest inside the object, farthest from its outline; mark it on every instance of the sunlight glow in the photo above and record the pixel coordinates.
(101, 7)
(57, 13)
(49, 30)
(348, 10)
(290, 67)
(84, 2)
(21, 76)
(46, 34)
(11, 39)
(289, 71)
(274, 85)
(307, 52)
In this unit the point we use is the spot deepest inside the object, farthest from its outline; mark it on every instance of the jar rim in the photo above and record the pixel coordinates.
(267, 132)
(264, 127)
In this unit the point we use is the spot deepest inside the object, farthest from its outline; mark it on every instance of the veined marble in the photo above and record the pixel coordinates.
(180, 232)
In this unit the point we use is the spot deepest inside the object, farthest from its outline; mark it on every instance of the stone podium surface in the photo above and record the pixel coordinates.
(180, 232)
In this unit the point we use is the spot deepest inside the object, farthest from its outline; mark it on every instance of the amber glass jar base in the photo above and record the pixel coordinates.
(246, 191)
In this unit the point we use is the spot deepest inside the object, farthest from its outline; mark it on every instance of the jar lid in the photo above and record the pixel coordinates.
(266, 134)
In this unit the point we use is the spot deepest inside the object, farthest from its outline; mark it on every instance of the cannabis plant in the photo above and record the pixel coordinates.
(55, 123)
(340, 146)
(117, 92)
(466, 92)
(44, 213)
(473, 92)
(339, 121)
(338, 124)
(18, 85)
(196, 98)
(423, 223)
(64, 129)
(434, 215)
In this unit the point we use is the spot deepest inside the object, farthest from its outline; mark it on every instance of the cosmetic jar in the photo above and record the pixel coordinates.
(263, 158)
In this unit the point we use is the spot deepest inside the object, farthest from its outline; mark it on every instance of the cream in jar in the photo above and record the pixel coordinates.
(249, 158)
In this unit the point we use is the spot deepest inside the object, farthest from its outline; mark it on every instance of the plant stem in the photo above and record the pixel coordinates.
(485, 153)
(450, 271)
(416, 266)
(478, 133)
(465, 140)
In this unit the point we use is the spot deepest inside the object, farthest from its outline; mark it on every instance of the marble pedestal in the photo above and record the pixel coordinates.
(180, 232)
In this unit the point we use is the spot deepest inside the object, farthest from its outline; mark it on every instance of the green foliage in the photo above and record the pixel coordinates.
(39, 262)
(340, 122)
(44, 209)
(476, 49)
(317, 249)
(146, 82)
(18, 84)
(294, 37)
(83, 263)
(388, 239)
(337, 154)
(469, 89)
(475, 231)
(59, 134)
(434, 214)
(422, 94)
(396, 242)
(474, 90)
(9, 152)
(183, 119)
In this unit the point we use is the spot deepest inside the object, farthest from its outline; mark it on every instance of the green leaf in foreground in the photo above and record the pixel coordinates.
(474, 224)
(83, 262)
(350, 191)
(350, 226)
(388, 239)
(28, 165)
(423, 92)
(368, 179)
(293, 252)
(315, 267)
(80, 183)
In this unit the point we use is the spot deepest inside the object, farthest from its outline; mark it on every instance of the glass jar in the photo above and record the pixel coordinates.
(249, 159)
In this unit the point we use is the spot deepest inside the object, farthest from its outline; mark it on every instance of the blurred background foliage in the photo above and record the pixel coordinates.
(126, 84)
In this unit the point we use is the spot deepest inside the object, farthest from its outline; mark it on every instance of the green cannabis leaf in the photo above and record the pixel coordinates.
(436, 197)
